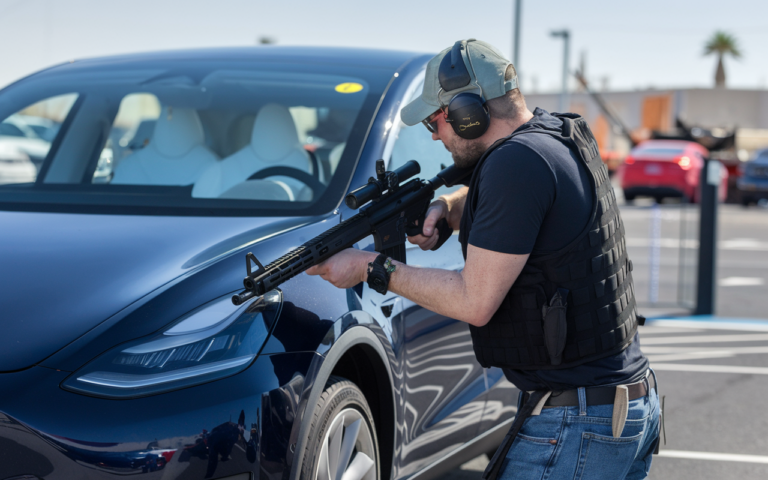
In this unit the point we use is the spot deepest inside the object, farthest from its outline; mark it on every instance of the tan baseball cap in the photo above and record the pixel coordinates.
(486, 67)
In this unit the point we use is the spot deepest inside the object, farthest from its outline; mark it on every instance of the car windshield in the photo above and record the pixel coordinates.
(185, 138)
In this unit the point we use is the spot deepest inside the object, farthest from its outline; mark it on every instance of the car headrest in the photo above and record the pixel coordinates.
(274, 133)
(177, 131)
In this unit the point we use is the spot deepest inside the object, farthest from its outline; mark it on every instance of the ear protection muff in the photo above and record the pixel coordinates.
(468, 115)
(466, 111)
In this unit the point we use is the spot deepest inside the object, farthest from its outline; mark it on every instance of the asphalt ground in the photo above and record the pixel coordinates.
(712, 371)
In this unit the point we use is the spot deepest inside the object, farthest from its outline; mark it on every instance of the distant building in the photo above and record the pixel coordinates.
(645, 110)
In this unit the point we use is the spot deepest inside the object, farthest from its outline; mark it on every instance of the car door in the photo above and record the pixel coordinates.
(444, 384)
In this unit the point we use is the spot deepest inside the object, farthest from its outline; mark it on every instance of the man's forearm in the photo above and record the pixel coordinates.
(472, 295)
(419, 286)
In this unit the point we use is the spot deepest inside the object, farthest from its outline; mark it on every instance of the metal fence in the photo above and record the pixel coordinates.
(662, 241)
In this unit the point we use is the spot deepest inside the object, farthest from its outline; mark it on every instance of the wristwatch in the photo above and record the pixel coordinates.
(379, 272)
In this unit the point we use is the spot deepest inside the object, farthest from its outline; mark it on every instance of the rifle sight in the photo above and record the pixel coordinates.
(385, 181)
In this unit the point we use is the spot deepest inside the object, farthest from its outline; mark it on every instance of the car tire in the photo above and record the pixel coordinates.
(629, 198)
(745, 201)
(342, 432)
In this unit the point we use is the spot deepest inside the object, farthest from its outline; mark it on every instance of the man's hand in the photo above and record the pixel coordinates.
(345, 269)
(437, 210)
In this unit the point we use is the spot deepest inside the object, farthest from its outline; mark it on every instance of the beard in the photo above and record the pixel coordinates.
(466, 153)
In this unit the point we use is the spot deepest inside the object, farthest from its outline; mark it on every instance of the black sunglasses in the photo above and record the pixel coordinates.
(432, 125)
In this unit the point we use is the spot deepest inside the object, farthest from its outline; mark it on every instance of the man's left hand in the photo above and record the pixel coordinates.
(345, 269)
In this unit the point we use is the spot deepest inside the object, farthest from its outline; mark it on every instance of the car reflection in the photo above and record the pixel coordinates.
(232, 445)
(279, 410)
(102, 457)
(216, 445)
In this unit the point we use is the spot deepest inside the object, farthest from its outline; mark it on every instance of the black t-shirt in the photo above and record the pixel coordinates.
(534, 196)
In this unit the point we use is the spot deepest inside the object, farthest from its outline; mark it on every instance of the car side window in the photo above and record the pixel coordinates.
(415, 143)
(26, 137)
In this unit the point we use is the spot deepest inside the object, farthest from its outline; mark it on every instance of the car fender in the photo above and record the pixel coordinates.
(352, 329)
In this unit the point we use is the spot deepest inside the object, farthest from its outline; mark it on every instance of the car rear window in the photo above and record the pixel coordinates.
(189, 138)
(658, 152)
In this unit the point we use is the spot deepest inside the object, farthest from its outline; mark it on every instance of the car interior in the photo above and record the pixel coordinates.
(175, 155)
(219, 134)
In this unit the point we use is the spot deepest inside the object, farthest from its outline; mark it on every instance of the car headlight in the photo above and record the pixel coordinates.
(212, 342)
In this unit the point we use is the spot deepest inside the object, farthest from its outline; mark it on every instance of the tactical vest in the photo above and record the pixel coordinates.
(572, 306)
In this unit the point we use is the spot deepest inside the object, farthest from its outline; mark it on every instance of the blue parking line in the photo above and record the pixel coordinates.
(711, 318)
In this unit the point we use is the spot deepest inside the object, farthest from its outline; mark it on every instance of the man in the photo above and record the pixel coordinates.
(547, 286)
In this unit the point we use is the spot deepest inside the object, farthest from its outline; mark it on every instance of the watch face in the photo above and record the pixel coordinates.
(377, 278)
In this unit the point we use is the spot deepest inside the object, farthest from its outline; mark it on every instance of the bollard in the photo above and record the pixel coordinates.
(705, 287)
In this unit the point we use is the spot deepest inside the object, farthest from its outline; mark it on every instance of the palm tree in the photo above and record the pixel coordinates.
(721, 43)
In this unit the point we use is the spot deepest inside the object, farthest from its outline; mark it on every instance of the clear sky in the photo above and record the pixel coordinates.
(654, 43)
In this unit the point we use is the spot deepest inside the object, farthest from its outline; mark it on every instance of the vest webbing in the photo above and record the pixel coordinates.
(601, 317)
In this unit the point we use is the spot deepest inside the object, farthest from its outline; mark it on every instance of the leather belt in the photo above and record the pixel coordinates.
(600, 395)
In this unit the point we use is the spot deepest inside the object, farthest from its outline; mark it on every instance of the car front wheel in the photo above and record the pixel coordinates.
(342, 439)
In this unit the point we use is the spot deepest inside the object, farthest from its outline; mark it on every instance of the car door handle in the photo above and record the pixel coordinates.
(388, 306)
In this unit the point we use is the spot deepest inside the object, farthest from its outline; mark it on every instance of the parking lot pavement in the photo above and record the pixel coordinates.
(714, 374)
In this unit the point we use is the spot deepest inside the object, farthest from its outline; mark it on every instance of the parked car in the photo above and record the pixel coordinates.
(15, 166)
(666, 168)
(44, 128)
(753, 183)
(121, 352)
(16, 134)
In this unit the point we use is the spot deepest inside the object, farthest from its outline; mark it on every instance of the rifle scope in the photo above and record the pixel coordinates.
(377, 186)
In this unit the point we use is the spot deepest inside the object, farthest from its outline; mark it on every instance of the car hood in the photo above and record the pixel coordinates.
(63, 274)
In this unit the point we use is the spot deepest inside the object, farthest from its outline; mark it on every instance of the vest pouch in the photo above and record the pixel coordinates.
(555, 327)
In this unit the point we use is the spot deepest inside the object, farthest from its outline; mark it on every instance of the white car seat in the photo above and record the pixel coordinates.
(176, 154)
(274, 143)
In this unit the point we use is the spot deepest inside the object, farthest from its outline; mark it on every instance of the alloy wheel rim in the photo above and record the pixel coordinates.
(347, 451)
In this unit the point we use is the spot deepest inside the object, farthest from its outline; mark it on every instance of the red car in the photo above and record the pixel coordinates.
(666, 168)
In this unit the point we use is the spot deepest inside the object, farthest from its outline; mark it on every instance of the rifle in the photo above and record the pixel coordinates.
(388, 210)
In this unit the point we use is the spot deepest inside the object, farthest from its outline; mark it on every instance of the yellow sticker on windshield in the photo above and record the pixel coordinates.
(348, 87)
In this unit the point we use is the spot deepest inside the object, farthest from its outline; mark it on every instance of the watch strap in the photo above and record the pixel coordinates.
(379, 272)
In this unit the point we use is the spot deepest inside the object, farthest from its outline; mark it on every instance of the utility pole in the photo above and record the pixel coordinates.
(564, 103)
(516, 35)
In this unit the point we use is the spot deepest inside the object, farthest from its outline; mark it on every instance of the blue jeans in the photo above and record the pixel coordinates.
(577, 443)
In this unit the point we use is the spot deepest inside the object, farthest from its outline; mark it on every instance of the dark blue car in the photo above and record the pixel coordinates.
(120, 350)
(753, 182)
